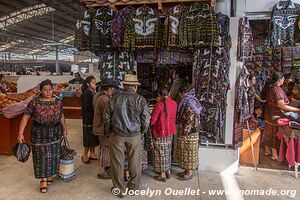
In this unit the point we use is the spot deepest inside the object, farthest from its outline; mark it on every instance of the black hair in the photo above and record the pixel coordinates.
(1, 76)
(44, 83)
(163, 92)
(275, 77)
(183, 89)
(251, 76)
(86, 82)
(77, 74)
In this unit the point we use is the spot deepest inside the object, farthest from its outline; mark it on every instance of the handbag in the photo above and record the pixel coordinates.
(66, 166)
(22, 151)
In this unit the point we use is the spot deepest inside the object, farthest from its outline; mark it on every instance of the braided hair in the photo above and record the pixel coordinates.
(163, 92)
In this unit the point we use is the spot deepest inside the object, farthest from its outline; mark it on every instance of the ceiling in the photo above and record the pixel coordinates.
(27, 25)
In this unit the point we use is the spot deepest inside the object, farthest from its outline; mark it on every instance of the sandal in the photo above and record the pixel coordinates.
(274, 158)
(267, 154)
(49, 182)
(185, 178)
(159, 178)
(85, 162)
(91, 158)
(43, 189)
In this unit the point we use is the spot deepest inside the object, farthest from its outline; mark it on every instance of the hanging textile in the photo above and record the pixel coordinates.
(171, 33)
(143, 29)
(169, 56)
(82, 31)
(245, 41)
(198, 27)
(145, 56)
(118, 26)
(284, 16)
(211, 73)
(296, 57)
(287, 60)
(115, 65)
(100, 31)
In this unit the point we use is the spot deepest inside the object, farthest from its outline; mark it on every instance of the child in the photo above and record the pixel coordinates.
(259, 117)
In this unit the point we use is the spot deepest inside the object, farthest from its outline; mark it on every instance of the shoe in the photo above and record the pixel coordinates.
(185, 178)
(43, 189)
(103, 176)
(90, 158)
(181, 173)
(159, 178)
(274, 158)
(267, 154)
(126, 178)
(85, 162)
(168, 175)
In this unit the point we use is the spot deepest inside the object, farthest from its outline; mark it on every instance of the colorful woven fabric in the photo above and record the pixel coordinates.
(143, 29)
(171, 33)
(82, 31)
(118, 26)
(145, 56)
(100, 30)
(103, 156)
(198, 27)
(162, 154)
(245, 41)
(45, 135)
(169, 56)
(284, 16)
(115, 65)
(287, 60)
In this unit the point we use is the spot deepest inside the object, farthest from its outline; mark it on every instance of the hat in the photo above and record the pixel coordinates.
(108, 82)
(131, 80)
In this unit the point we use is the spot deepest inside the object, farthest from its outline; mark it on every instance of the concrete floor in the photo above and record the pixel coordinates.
(17, 181)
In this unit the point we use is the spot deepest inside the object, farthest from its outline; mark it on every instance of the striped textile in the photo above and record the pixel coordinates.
(162, 154)
(104, 160)
(46, 147)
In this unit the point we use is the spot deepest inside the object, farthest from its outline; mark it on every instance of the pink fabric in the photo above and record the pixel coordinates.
(283, 121)
(289, 149)
(163, 127)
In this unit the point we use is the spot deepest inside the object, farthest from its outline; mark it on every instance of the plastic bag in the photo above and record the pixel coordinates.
(22, 152)
(66, 152)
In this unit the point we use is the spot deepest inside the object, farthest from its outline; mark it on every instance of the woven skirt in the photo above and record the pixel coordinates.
(270, 135)
(162, 154)
(89, 139)
(46, 146)
(187, 151)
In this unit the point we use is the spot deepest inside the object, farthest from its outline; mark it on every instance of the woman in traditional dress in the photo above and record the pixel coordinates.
(47, 130)
(277, 103)
(163, 122)
(188, 132)
(90, 141)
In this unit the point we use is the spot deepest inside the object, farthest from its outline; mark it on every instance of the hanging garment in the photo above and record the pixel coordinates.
(118, 25)
(245, 41)
(287, 60)
(100, 31)
(284, 16)
(169, 56)
(143, 29)
(276, 57)
(82, 31)
(171, 34)
(145, 56)
(115, 65)
(223, 30)
(296, 57)
(198, 27)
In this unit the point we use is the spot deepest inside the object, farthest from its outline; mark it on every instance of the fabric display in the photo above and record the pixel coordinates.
(284, 17)
(245, 41)
(82, 31)
(223, 30)
(143, 29)
(287, 60)
(296, 57)
(100, 29)
(115, 65)
(198, 27)
(118, 26)
(145, 56)
(261, 32)
(168, 56)
(171, 33)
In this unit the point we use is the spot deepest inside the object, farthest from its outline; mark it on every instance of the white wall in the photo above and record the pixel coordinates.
(243, 6)
(224, 6)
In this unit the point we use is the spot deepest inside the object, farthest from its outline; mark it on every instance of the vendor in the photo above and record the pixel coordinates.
(3, 86)
(77, 79)
(277, 104)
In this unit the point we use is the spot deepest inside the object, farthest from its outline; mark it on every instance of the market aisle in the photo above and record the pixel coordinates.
(17, 180)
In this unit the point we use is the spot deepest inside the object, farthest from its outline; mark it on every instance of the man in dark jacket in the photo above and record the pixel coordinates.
(128, 116)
